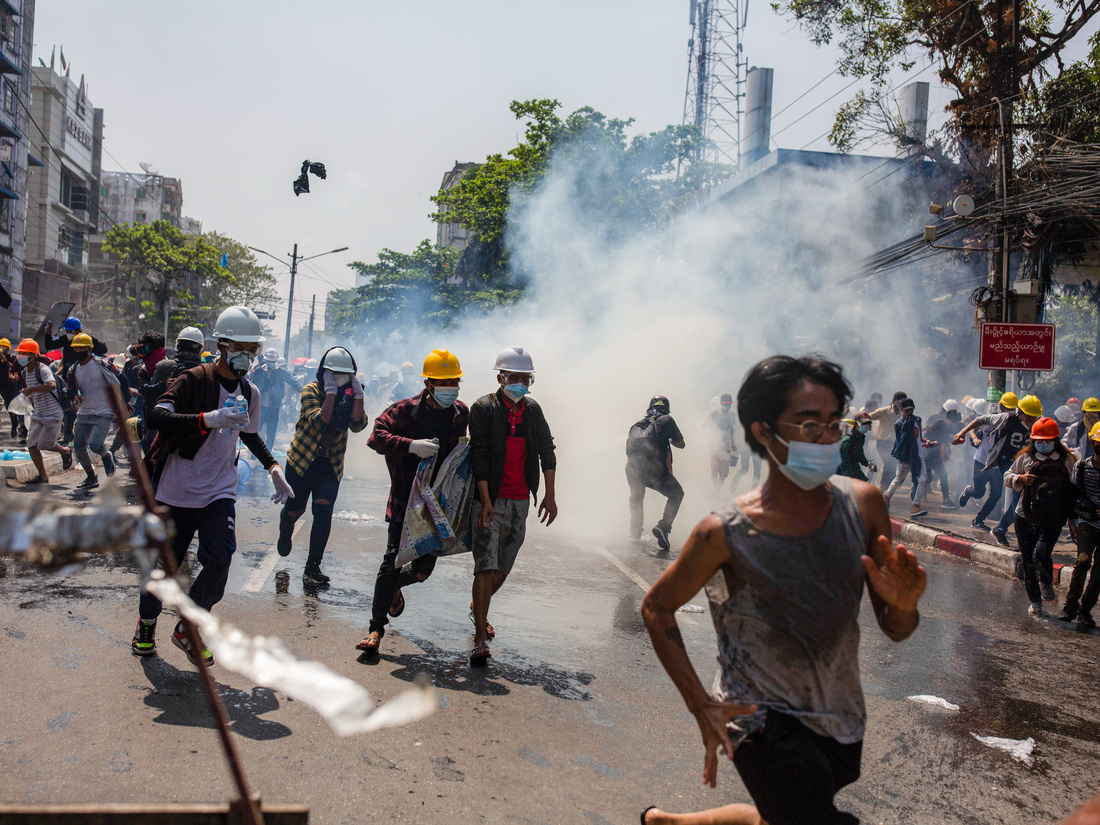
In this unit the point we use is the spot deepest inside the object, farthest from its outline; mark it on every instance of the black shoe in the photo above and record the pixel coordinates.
(1068, 614)
(1047, 590)
(999, 536)
(88, 483)
(313, 575)
(1085, 620)
(66, 459)
(978, 524)
(108, 464)
(662, 538)
(144, 642)
(284, 544)
(965, 497)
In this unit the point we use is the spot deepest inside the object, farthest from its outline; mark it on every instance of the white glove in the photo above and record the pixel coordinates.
(283, 490)
(423, 447)
(356, 388)
(227, 417)
(329, 383)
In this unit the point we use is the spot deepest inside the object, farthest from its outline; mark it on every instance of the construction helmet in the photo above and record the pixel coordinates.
(979, 406)
(951, 405)
(660, 402)
(1031, 406)
(192, 335)
(271, 354)
(4, 342)
(441, 365)
(239, 324)
(311, 364)
(1090, 405)
(207, 357)
(1094, 433)
(72, 324)
(1045, 429)
(1073, 400)
(338, 359)
(82, 339)
(1063, 414)
(408, 365)
(28, 346)
(514, 359)
(1009, 401)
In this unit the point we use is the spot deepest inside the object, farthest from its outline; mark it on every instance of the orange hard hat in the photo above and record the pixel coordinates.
(28, 346)
(1045, 429)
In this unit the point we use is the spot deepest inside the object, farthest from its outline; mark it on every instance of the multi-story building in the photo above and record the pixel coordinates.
(141, 198)
(190, 226)
(16, 41)
(453, 235)
(62, 194)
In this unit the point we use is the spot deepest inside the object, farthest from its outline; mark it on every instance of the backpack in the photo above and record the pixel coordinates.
(1050, 500)
(642, 442)
(1084, 507)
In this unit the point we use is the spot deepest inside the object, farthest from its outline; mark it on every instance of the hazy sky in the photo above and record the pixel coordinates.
(230, 97)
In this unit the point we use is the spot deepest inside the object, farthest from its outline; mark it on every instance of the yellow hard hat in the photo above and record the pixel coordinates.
(1009, 401)
(1090, 405)
(82, 339)
(1030, 405)
(1094, 433)
(4, 342)
(442, 365)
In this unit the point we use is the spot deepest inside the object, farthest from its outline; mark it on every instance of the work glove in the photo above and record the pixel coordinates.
(423, 447)
(225, 417)
(356, 388)
(329, 383)
(283, 490)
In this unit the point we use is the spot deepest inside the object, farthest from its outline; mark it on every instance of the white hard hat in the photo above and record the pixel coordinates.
(979, 406)
(339, 359)
(311, 364)
(192, 334)
(239, 324)
(514, 359)
(281, 361)
(271, 354)
(1064, 414)
(950, 404)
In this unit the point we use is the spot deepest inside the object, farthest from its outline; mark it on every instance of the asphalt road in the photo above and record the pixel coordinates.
(572, 721)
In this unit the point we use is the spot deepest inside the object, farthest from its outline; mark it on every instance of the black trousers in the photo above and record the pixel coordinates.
(216, 525)
(389, 579)
(1036, 545)
(1088, 539)
(319, 481)
(640, 477)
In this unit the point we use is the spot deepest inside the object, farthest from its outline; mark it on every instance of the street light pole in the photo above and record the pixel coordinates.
(290, 302)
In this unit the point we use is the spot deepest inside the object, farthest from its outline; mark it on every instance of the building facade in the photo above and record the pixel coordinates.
(62, 194)
(453, 235)
(141, 198)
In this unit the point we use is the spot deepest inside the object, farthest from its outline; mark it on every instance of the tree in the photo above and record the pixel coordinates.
(159, 261)
(246, 282)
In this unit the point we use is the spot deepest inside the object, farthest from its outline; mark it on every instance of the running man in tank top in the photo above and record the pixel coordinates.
(793, 556)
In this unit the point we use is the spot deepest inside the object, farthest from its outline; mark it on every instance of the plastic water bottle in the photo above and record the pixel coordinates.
(241, 406)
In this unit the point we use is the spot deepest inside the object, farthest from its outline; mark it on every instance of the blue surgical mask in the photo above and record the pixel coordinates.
(445, 396)
(865, 428)
(809, 464)
(516, 391)
(1044, 447)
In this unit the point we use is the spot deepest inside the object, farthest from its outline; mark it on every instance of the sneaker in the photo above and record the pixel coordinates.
(662, 538)
(180, 640)
(108, 464)
(66, 459)
(1036, 609)
(284, 544)
(999, 537)
(949, 505)
(1084, 620)
(144, 642)
(978, 524)
(1047, 590)
(967, 492)
(1068, 614)
(917, 512)
(88, 483)
(313, 575)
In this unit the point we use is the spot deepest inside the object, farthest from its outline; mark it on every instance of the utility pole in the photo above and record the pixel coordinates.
(312, 311)
(290, 301)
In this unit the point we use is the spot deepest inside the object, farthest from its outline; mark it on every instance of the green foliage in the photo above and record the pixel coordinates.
(1075, 367)
(1067, 110)
(246, 282)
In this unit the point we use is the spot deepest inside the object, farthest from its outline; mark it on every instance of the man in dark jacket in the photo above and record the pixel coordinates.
(908, 450)
(273, 382)
(424, 426)
(509, 439)
(852, 456)
(649, 464)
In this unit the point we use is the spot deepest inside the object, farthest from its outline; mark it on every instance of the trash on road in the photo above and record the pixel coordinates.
(345, 705)
(349, 515)
(1018, 749)
(691, 608)
(936, 701)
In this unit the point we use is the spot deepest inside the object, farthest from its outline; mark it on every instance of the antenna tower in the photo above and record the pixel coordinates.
(716, 76)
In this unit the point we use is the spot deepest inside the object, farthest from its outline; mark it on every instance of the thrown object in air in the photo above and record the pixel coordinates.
(301, 185)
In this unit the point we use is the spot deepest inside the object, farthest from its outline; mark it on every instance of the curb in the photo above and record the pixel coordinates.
(987, 555)
(23, 470)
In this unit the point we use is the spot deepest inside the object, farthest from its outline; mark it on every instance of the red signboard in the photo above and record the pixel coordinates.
(1017, 347)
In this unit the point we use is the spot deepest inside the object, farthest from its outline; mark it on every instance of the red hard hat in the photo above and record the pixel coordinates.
(1045, 429)
(28, 346)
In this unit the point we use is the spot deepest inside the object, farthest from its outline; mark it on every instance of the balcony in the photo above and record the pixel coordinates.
(9, 60)
(11, 7)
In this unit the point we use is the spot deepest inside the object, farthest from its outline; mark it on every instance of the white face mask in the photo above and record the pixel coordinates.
(342, 378)
(809, 464)
(23, 360)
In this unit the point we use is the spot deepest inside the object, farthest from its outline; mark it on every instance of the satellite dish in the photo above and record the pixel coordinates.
(964, 205)
(148, 168)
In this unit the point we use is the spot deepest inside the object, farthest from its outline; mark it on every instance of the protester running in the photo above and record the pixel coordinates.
(95, 382)
(1085, 531)
(649, 464)
(41, 387)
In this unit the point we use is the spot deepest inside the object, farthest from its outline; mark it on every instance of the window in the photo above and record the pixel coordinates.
(104, 192)
(139, 217)
(141, 195)
(9, 97)
(79, 198)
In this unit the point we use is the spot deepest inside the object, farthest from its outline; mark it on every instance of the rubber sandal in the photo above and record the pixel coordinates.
(646, 811)
(397, 606)
(370, 644)
(492, 634)
(480, 656)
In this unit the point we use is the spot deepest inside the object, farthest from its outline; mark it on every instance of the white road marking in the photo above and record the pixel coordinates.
(259, 576)
(638, 580)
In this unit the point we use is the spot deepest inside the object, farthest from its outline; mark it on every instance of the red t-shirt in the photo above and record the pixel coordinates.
(514, 483)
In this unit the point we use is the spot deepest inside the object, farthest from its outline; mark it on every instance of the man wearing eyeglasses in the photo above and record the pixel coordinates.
(509, 439)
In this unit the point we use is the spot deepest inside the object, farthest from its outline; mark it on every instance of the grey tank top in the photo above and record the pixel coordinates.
(786, 610)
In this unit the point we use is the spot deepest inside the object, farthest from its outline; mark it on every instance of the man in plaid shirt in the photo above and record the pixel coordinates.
(428, 425)
(331, 405)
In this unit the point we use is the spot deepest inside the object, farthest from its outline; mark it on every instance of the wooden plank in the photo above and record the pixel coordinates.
(144, 814)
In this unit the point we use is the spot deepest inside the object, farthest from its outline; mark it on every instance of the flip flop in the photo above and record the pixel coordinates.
(646, 811)
(480, 656)
(492, 634)
(370, 645)
(397, 606)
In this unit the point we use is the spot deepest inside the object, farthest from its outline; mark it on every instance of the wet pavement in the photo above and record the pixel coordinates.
(573, 720)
